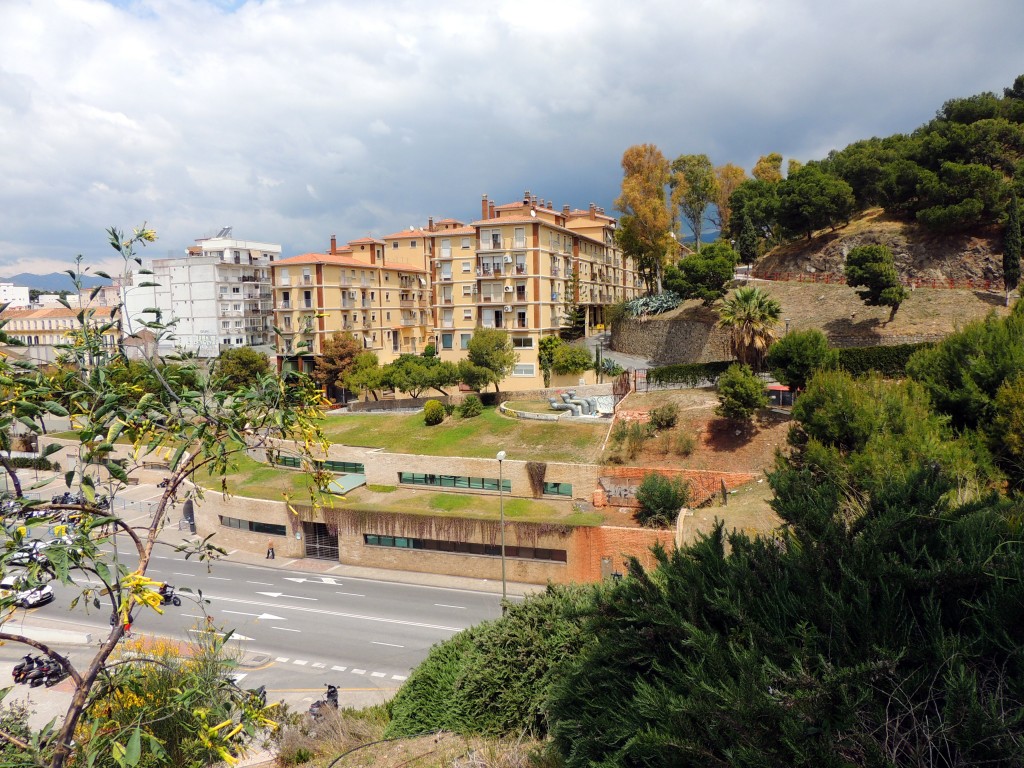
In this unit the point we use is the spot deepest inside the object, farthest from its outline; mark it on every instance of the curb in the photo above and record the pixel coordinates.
(51, 636)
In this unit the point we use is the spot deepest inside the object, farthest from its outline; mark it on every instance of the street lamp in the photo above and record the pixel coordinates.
(501, 515)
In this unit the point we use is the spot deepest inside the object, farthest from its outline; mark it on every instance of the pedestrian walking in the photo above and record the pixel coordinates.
(270, 550)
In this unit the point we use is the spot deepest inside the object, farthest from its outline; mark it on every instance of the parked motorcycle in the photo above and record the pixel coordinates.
(43, 668)
(54, 673)
(23, 667)
(318, 707)
(164, 483)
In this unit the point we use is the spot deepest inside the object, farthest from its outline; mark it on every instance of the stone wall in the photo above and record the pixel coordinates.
(684, 338)
(618, 484)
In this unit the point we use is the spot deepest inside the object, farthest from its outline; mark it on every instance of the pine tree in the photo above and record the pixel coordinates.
(1011, 248)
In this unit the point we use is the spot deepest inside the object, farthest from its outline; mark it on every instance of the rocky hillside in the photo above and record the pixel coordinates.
(921, 256)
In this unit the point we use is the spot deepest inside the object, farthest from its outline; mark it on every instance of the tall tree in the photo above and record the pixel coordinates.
(364, 375)
(751, 315)
(768, 168)
(728, 178)
(705, 275)
(1011, 247)
(645, 228)
(693, 190)
(747, 241)
(797, 356)
(240, 365)
(491, 349)
(873, 268)
(811, 199)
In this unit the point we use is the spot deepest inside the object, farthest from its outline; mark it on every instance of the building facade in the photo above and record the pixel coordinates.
(218, 295)
(41, 331)
(13, 295)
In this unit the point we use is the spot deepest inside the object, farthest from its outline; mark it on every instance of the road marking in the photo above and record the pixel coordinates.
(350, 594)
(358, 671)
(217, 578)
(261, 583)
(162, 557)
(338, 614)
(282, 659)
(300, 662)
(443, 605)
(391, 645)
(322, 580)
(377, 674)
(235, 636)
(338, 669)
(319, 665)
(286, 629)
(258, 615)
(290, 597)
(175, 573)
(399, 677)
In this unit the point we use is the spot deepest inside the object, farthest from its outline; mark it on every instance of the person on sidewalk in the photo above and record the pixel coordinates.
(270, 550)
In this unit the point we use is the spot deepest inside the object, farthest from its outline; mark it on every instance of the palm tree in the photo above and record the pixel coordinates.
(751, 315)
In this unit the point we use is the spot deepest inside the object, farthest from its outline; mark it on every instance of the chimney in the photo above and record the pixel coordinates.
(430, 224)
(551, 205)
(541, 202)
(483, 207)
(526, 197)
(334, 244)
(533, 200)
(490, 212)
(593, 211)
(565, 210)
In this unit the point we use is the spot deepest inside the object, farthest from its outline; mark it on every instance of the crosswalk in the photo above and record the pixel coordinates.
(336, 668)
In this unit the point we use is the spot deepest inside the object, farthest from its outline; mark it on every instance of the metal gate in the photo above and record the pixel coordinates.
(320, 543)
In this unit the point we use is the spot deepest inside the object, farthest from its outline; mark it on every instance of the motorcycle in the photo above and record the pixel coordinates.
(167, 596)
(55, 672)
(318, 707)
(164, 483)
(23, 667)
(37, 675)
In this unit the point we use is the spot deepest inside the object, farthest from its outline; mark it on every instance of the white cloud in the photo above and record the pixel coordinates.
(296, 120)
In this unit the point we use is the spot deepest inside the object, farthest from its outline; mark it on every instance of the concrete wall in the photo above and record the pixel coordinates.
(686, 338)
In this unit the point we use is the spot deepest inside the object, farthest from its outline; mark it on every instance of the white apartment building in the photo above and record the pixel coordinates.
(13, 295)
(218, 294)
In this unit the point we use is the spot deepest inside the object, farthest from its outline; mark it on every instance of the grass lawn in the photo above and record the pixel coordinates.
(479, 437)
(258, 481)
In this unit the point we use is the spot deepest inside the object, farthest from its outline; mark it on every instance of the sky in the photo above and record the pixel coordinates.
(295, 120)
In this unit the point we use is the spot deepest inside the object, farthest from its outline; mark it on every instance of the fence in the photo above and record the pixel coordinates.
(967, 284)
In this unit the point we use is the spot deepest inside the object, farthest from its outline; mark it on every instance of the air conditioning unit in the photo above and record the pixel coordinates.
(508, 289)
(507, 308)
(508, 259)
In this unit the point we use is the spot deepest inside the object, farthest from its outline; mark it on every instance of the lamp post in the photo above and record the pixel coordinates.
(501, 516)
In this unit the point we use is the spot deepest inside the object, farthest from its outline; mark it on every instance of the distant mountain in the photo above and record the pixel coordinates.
(55, 281)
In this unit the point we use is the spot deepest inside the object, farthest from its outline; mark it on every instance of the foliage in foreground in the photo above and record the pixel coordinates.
(881, 628)
(494, 678)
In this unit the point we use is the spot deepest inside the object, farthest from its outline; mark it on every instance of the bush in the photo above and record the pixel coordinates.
(449, 408)
(471, 407)
(690, 374)
(23, 462)
(664, 417)
(660, 500)
(685, 444)
(890, 361)
(740, 393)
(433, 413)
(636, 435)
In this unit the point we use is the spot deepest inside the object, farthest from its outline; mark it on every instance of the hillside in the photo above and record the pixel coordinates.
(920, 255)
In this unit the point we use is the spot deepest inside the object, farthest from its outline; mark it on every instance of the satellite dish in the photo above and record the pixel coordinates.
(533, 214)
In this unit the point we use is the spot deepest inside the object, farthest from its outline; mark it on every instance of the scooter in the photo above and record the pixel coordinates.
(167, 596)
(23, 667)
(55, 672)
(37, 674)
(318, 707)
(164, 483)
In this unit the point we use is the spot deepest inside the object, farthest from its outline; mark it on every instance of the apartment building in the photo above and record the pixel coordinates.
(371, 288)
(518, 268)
(218, 295)
(41, 331)
(13, 295)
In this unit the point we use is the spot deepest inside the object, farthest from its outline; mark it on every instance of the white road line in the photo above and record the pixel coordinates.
(176, 573)
(358, 671)
(318, 665)
(390, 645)
(261, 583)
(282, 659)
(339, 614)
(162, 557)
(286, 629)
(218, 578)
(350, 594)
(300, 662)
(399, 677)
(443, 605)
(338, 669)
(377, 674)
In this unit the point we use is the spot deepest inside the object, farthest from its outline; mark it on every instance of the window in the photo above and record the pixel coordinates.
(467, 266)
(412, 243)
(558, 489)
(467, 290)
(269, 529)
(467, 314)
(465, 243)
(454, 481)
(464, 340)
(523, 369)
(522, 342)
(464, 547)
(394, 244)
(446, 340)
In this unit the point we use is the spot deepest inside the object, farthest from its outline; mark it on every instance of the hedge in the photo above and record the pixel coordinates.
(690, 374)
(890, 362)
(24, 462)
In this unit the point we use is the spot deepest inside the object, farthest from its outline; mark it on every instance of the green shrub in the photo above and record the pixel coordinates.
(433, 413)
(664, 417)
(690, 374)
(449, 408)
(685, 444)
(471, 407)
(636, 435)
(24, 462)
(890, 361)
(660, 500)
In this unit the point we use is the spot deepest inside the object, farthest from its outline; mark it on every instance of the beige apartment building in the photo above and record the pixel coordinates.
(384, 302)
(41, 331)
(517, 268)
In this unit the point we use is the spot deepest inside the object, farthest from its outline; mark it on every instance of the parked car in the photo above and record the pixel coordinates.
(30, 552)
(16, 584)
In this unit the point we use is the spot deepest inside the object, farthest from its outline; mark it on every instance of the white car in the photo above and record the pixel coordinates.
(25, 596)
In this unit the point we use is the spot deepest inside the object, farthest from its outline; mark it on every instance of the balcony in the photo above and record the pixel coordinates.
(284, 305)
(447, 300)
(520, 269)
(555, 272)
